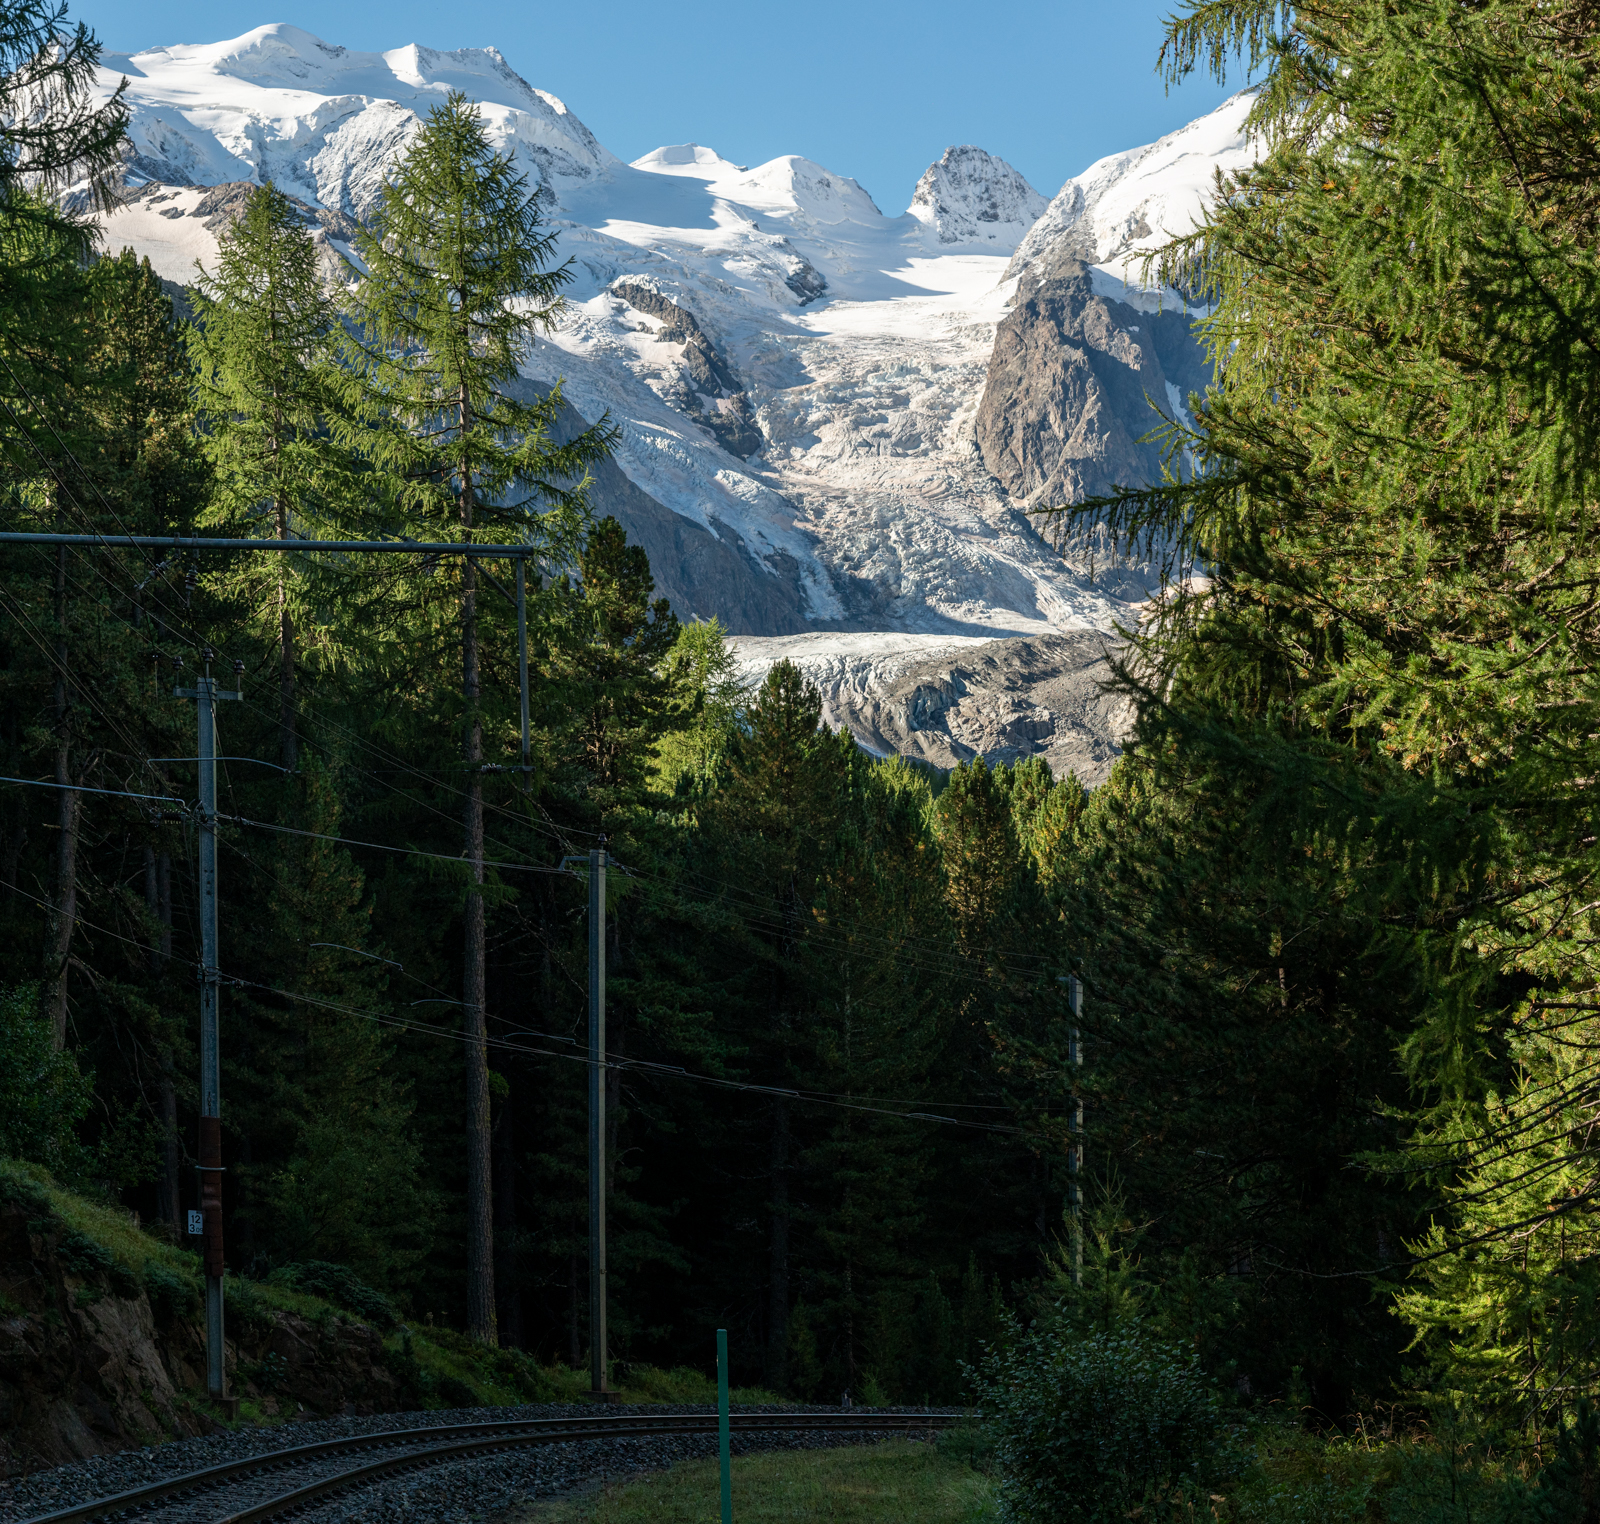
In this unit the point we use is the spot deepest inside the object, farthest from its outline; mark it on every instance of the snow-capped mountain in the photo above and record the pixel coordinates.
(325, 122)
(1127, 204)
(797, 377)
(970, 196)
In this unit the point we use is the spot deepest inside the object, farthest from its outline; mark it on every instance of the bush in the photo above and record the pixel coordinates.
(1088, 1431)
(455, 1393)
(84, 1256)
(172, 1294)
(341, 1286)
(43, 1096)
(417, 1385)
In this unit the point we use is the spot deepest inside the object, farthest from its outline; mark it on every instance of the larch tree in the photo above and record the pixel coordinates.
(457, 285)
(1383, 684)
(266, 380)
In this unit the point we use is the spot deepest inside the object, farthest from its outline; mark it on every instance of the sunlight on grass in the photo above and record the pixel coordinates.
(873, 1484)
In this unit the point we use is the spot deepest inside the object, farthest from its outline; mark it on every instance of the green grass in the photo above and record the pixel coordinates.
(647, 1383)
(113, 1228)
(894, 1483)
(452, 1370)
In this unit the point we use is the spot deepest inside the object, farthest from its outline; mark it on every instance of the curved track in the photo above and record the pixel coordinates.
(286, 1481)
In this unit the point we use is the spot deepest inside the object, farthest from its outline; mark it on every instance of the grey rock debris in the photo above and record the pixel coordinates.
(1002, 700)
(715, 394)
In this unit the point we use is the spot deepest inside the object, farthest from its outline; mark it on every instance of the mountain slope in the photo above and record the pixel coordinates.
(814, 413)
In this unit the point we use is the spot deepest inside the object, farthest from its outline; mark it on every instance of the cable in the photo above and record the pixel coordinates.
(665, 1071)
(78, 788)
(374, 846)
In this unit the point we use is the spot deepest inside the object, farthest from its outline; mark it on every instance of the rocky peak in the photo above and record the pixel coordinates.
(1074, 382)
(970, 196)
(714, 396)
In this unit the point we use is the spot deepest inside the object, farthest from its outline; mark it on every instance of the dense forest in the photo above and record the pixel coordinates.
(1333, 912)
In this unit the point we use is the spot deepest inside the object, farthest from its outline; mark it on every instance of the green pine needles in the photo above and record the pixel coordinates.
(456, 287)
(1378, 648)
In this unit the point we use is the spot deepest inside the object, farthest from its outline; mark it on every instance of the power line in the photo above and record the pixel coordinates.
(78, 788)
(622, 1064)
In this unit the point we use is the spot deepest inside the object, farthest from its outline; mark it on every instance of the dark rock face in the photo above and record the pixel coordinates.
(722, 407)
(702, 574)
(1073, 384)
(805, 280)
(89, 1363)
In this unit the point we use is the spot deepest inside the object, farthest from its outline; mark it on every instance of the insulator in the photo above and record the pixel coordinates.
(190, 577)
(238, 667)
(208, 655)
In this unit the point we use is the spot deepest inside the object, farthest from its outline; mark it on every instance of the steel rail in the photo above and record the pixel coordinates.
(441, 1445)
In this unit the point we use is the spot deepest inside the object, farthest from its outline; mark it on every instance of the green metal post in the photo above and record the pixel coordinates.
(722, 1425)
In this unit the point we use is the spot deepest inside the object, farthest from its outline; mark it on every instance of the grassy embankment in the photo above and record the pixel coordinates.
(891, 1483)
(439, 1367)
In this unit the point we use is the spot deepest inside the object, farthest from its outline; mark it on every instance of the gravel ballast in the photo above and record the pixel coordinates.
(462, 1490)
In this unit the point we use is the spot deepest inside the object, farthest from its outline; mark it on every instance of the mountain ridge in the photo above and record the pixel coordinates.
(808, 391)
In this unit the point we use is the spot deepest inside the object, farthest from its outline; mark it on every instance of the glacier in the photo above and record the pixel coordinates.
(795, 374)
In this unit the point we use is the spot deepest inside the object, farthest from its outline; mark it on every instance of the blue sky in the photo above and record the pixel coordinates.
(875, 89)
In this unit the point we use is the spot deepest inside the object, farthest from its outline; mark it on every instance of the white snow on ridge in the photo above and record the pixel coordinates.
(971, 197)
(1127, 204)
(323, 121)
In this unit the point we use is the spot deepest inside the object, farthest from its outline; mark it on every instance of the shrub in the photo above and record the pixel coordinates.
(42, 1094)
(83, 1255)
(248, 1306)
(172, 1294)
(339, 1285)
(455, 1393)
(1088, 1431)
(417, 1385)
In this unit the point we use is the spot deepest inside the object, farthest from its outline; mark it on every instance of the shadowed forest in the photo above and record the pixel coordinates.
(1333, 912)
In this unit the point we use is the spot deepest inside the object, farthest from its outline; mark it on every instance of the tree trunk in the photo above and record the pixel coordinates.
(16, 830)
(778, 1266)
(164, 901)
(169, 1188)
(574, 1322)
(480, 1200)
(64, 906)
(288, 742)
(505, 1223)
(158, 900)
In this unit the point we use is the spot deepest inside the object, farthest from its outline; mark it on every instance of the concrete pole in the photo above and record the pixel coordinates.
(205, 693)
(597, 1123)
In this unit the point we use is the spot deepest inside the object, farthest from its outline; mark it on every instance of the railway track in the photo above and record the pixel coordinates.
(284, 1482)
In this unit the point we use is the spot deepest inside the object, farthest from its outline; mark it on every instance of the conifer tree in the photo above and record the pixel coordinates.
(53, 133)
(1380, 689)
(456, 286)
(616, 662)
(266, 383)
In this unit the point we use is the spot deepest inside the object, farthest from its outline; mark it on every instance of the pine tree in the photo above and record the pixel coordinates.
(53, 133)
(615, 659)
(456, 286)
(784, 777)
(1376, 703)
(267, 385)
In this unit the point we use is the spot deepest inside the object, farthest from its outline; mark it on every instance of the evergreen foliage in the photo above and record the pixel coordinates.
(1333, 910)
